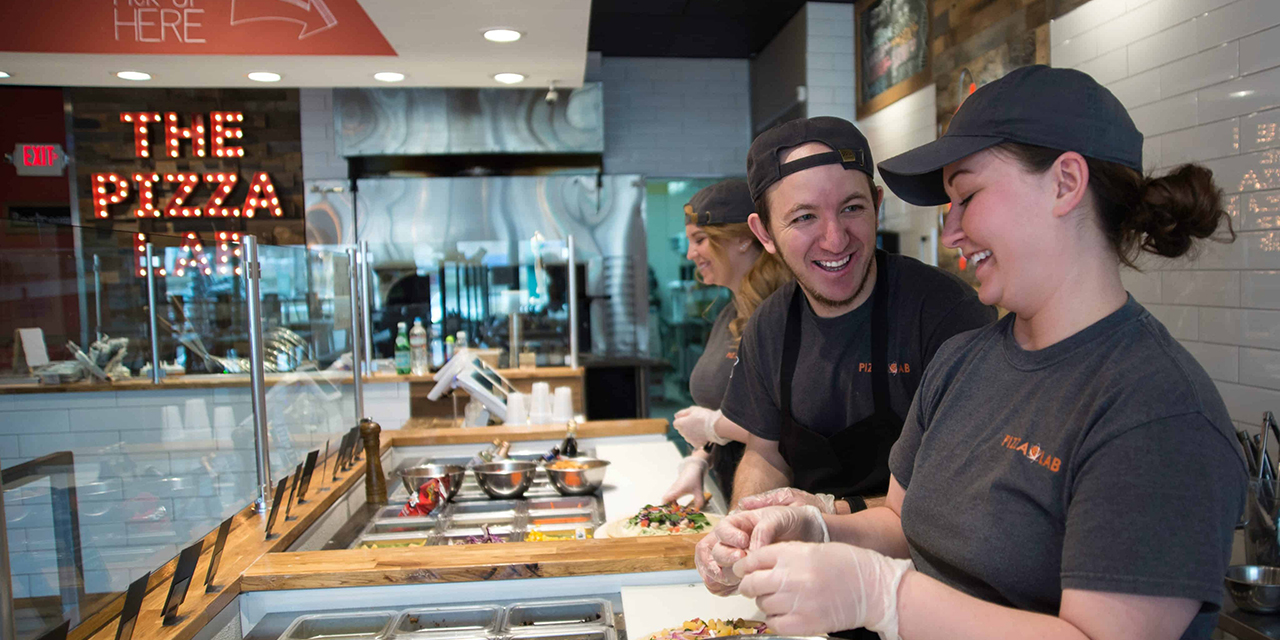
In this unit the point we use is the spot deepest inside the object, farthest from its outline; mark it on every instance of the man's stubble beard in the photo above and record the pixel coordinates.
(821, 299)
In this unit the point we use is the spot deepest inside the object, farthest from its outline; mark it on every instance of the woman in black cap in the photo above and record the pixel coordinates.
(1067, 472)
(726, 254)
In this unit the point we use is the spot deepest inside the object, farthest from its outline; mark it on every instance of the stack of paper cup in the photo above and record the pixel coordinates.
(540, 405)
(517, 408)
(562, 409)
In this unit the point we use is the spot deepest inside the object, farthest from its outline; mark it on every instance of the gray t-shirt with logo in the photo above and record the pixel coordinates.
(832, 385)
(1105, 462)
(710, 376)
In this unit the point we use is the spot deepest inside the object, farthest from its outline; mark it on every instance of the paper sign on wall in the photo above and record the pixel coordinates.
(29, 350)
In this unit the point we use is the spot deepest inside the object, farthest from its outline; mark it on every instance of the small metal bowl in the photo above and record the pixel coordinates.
(450, 476)
(506, 478)
(578, 482)
(1255, 588)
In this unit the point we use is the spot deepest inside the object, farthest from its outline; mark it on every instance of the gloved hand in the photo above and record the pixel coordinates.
(719, 579)
(789, 497)
(811, 589)
(744, 531)
(698, 426)
(688, 481)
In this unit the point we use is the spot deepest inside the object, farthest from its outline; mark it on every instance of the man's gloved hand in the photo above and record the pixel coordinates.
(789, 497)
(744, 531)
(719, 579)
(688, 481)
(811, 589)
(698, 426)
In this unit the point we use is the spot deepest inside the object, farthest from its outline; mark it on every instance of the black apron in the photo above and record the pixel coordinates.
(855, 461)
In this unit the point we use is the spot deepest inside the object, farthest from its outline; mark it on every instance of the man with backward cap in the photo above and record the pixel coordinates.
(828, 365)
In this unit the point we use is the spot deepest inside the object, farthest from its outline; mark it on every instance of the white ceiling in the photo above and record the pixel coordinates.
(439, 43)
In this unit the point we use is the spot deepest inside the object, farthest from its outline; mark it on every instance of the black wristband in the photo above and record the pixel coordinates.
(856, 503)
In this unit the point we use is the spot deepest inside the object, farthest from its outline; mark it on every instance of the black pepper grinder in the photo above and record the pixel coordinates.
(375, 483)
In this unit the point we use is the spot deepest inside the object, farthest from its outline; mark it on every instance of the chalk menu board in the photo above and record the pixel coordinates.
(893, 45)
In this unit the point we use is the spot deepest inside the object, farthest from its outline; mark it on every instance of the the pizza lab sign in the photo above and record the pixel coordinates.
(179, 194)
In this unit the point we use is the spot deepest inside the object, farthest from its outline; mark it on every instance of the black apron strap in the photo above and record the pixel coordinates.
(880, 338)
(790, 353)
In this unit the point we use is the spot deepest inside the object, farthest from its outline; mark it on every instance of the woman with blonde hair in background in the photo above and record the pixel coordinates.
(726, 254)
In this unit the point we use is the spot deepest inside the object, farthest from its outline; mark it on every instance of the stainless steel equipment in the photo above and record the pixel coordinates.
(450, 476)
(257, 376)
(1254, 588)
(577, 482)
(506, 478)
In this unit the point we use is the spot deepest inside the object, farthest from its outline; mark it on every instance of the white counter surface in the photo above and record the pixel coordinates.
(652, 608)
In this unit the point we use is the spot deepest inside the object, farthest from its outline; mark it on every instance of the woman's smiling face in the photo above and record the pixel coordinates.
(1001, 221)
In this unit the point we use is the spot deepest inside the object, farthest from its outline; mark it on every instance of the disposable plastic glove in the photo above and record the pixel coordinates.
(789, 497)
(719, 579)
(688, 481)
(698, 426)
(811, 589)
(744, 531)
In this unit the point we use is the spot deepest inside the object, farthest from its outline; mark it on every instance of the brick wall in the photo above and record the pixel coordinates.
(1201, 79)
(676, 117)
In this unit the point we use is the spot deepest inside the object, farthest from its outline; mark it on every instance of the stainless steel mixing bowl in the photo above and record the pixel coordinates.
(1254, 588)
(506, 478)
(450, 476)
(578, 482)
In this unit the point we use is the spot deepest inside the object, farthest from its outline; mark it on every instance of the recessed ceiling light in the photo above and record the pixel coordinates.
(509, 78)
(133, 75)
(502, 35)
(388, 76)
(264, 76)
(4, 75)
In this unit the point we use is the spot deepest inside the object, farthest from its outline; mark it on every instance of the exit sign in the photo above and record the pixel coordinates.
(38, 159)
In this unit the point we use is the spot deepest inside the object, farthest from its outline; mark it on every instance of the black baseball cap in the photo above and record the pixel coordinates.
(727, 202)
(850, 150)
(1061, 109)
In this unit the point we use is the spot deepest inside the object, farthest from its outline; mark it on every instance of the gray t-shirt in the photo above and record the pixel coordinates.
(1105, 462)
(832, 385)
(710, 376)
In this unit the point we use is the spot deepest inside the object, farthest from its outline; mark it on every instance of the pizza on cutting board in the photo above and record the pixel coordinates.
(698, 629)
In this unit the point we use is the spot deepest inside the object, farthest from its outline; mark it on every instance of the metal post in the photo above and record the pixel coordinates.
(573, 305)
(357, 341)
(97, 294)
(366, 273)
(6, 578)
(257, 375)
(157, 371)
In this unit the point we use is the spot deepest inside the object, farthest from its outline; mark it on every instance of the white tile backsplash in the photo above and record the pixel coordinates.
(1183, 323)
(1246, 403)
(1201, 288)
(1134, 25)
(1084, 19)
(1260, 51)
(1215, 140)
(1258, 171)
(1170, 114)
(1173, 12)
(1221, 326)
(1075, 50)
(1138, 89)
(1260, 368)
(1159, 49)
(1258, 211)
(1218, 64)
(1260, 289)
(1260, 130)
(1143, 285)
(1262, 249)
(1221, 362)
(1235, 21)
(1108, 67)
(1244, 95)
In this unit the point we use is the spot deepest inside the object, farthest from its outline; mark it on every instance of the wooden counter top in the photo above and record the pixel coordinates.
(510, 561)
(419, 431)
(225, 380)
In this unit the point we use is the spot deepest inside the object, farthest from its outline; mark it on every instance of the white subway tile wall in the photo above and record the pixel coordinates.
(676, 117)
(149, 481)
(829, 70)
(1201, 80)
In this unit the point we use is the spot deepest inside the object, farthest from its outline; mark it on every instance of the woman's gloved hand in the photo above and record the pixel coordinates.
(811, 589)
(698, 426)
(789, 497)
(688, 481)
(744, 531)
(720, 579)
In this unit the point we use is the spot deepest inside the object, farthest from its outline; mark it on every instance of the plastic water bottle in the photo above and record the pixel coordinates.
(418, 349)
(402, 350)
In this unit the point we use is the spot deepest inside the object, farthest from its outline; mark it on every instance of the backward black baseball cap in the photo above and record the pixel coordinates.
(1061, 109)
(727, 202)
(849, 149)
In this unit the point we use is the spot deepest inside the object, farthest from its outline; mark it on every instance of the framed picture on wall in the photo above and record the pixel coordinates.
(892, 51)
